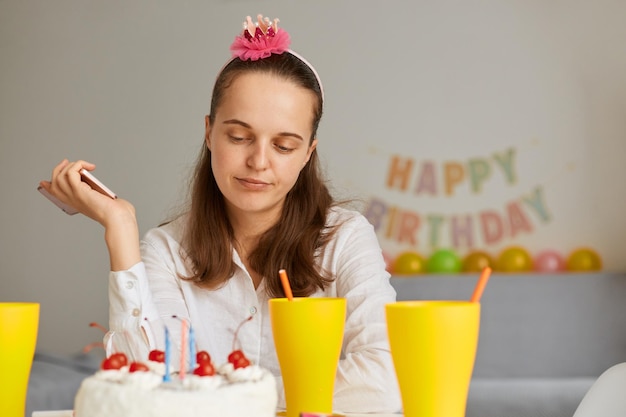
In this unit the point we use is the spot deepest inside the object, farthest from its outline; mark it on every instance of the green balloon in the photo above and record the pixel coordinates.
(444, 261)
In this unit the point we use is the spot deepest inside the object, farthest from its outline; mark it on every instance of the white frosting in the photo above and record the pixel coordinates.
(203, 382)
(156, 367)
(146, 380)
(243, 392)
(112, 375)
(249, 373)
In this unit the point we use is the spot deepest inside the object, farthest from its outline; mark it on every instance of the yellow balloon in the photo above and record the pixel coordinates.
(584, 259)
(514, 259)
(409, 263)
(476, 261)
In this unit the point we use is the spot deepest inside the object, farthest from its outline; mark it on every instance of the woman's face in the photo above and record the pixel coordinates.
(259, 142)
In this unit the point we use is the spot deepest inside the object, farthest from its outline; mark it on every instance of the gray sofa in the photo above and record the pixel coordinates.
(54, 380)
(544, 340)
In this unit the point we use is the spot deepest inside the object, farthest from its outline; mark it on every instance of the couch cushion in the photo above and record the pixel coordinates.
(526, 397)
(566, 325)
(54, 380)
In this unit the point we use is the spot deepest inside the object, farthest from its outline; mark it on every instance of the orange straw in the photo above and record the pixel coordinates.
(285, 281)
(480, 285)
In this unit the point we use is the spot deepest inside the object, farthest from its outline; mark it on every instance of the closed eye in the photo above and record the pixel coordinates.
(283, 149)
(236, 139)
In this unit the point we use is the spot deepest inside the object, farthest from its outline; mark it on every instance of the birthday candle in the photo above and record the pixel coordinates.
(183, 349)
(192, 349)
(166, 377)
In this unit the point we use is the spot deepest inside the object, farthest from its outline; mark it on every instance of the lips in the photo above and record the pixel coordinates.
(253, 183)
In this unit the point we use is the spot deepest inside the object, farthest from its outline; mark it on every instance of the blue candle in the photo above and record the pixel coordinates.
(166, 377)
(192, 349)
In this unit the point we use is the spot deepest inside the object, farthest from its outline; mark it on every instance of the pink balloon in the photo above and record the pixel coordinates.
(549, 261)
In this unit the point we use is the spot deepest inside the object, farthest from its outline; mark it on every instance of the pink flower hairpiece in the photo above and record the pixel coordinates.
(260, 40)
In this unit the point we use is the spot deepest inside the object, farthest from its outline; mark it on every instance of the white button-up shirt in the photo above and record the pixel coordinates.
(148, 295)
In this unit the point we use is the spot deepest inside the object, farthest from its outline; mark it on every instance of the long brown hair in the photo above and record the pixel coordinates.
(301, 232)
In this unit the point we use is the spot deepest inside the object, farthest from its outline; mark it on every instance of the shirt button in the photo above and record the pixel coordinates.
(129, 285)
(253, 310)
(136, 312)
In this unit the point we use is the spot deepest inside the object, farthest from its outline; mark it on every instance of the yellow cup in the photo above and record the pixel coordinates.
(308, 333)
(433, 345)
(19, 323)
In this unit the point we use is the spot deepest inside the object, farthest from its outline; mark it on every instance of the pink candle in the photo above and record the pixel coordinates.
(183, 349)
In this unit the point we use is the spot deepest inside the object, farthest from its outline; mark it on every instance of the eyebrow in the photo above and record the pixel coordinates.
(247, 126)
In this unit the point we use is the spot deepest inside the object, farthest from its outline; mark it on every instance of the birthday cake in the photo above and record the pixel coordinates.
(122, 389)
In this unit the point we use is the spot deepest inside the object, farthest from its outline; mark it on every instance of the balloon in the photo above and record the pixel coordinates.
(584, 259)
(476, 261)
(409, 263)
(549, 261)
(514, 259)
(443, 261)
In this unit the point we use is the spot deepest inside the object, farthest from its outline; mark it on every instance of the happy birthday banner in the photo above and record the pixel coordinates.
(441, 238)
(484, 228)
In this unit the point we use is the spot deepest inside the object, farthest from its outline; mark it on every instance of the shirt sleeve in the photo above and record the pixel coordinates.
(366, 380)
(130, 311)
(143, 300)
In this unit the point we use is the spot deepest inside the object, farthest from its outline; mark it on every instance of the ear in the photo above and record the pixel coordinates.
(311, 149)
(207, 131)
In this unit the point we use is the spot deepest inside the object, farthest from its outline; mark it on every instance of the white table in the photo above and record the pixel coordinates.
(68, 413)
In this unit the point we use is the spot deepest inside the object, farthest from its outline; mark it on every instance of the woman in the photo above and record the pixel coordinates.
(258, 204)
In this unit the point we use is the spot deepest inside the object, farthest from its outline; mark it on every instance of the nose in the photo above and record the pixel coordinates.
(259, 156)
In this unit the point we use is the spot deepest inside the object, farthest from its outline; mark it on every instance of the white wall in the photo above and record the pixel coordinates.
(125, 84)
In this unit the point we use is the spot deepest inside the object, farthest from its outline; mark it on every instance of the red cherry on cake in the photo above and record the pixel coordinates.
(203, 357)
(115, 361)
(238, 359)
(138, 367)
(157, 356)
(234, 355)
(204, 369)
(120, 357)
(241, 363)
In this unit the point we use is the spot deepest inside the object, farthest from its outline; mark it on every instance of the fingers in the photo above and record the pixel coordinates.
(65, 166)
(57, 169)
(45, 184)
(66, 182)
(70, 171)
(67, 186)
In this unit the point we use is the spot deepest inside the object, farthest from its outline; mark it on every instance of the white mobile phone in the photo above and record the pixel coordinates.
(65, 207)
(95, 183)
(87, 177)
